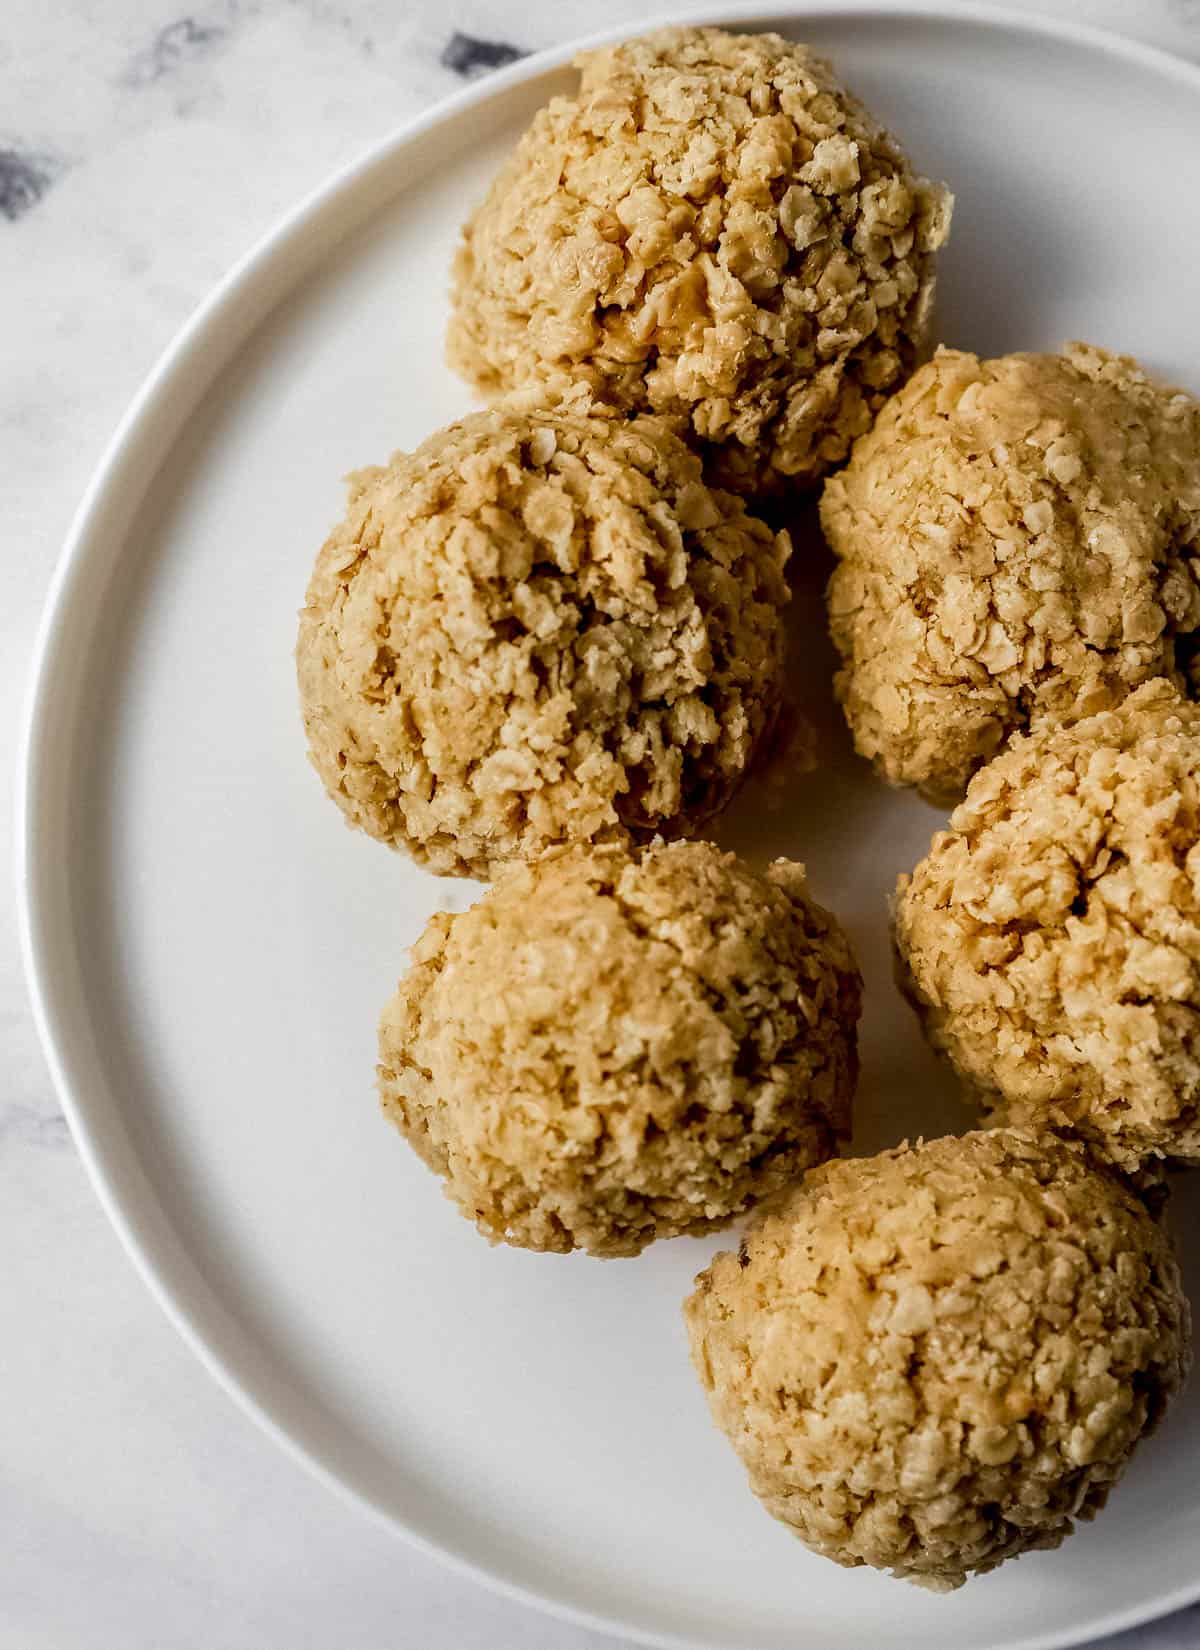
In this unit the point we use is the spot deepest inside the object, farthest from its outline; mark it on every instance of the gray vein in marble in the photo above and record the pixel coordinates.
(173, 46)
(30, 1126)
(469, 56)
(25, 176)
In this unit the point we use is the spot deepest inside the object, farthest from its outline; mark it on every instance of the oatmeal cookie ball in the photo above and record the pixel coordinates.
(1015, 537)
(618, 1045)
(1050, 939)
(539, 627)
(935, 1359)
(711, 228)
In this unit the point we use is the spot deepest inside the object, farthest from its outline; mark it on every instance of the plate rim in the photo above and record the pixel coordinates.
(248, 280)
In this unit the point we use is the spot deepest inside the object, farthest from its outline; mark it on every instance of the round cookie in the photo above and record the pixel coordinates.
(936, 1359)
(614, 1046)
(539, 627)
(1015, 537)
(713, 229)
(1050, 939)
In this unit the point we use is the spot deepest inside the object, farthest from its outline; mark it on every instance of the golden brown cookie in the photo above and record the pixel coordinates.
(936, 1359)
(1015, 538)
(539, 628)
(615, 1046)
(1050, 939)
(713, 229)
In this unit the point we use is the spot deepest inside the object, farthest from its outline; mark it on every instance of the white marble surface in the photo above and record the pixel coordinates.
(141, 150)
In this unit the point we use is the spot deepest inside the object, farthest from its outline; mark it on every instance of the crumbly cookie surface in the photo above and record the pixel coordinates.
(539, 627)
(713, 229)
(616, 1046)
(935, 1359)
(1050, 939)
(1015, 537)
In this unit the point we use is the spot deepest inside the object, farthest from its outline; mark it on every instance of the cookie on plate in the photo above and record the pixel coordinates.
(540, 627)
(1015, 538)
(620, 1045)
(714, 229)
(935, 1359)
(1050, 939)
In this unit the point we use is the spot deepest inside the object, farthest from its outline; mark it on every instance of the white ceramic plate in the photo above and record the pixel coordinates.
(209, 946)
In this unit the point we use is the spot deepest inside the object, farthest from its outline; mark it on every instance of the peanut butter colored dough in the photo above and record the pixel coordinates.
(1015, 537)
(935, 1359)
(711, 228)
(616, 1046)
(539, 627)
(1051, 937)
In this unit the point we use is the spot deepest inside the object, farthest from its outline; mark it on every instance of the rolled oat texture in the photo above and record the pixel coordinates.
(1015, 538)
(713, 229)
(539, 628)
(1050, 939)
(618, 1045)
(939, 1358)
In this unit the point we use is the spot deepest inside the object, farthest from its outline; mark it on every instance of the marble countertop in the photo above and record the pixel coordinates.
(141, 152)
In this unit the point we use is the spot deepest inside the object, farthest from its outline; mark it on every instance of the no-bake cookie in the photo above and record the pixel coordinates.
(1050, 939)
(936, 1359)
(540, 627)
(711, 228)
(614, 1046)
(1017, 537)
